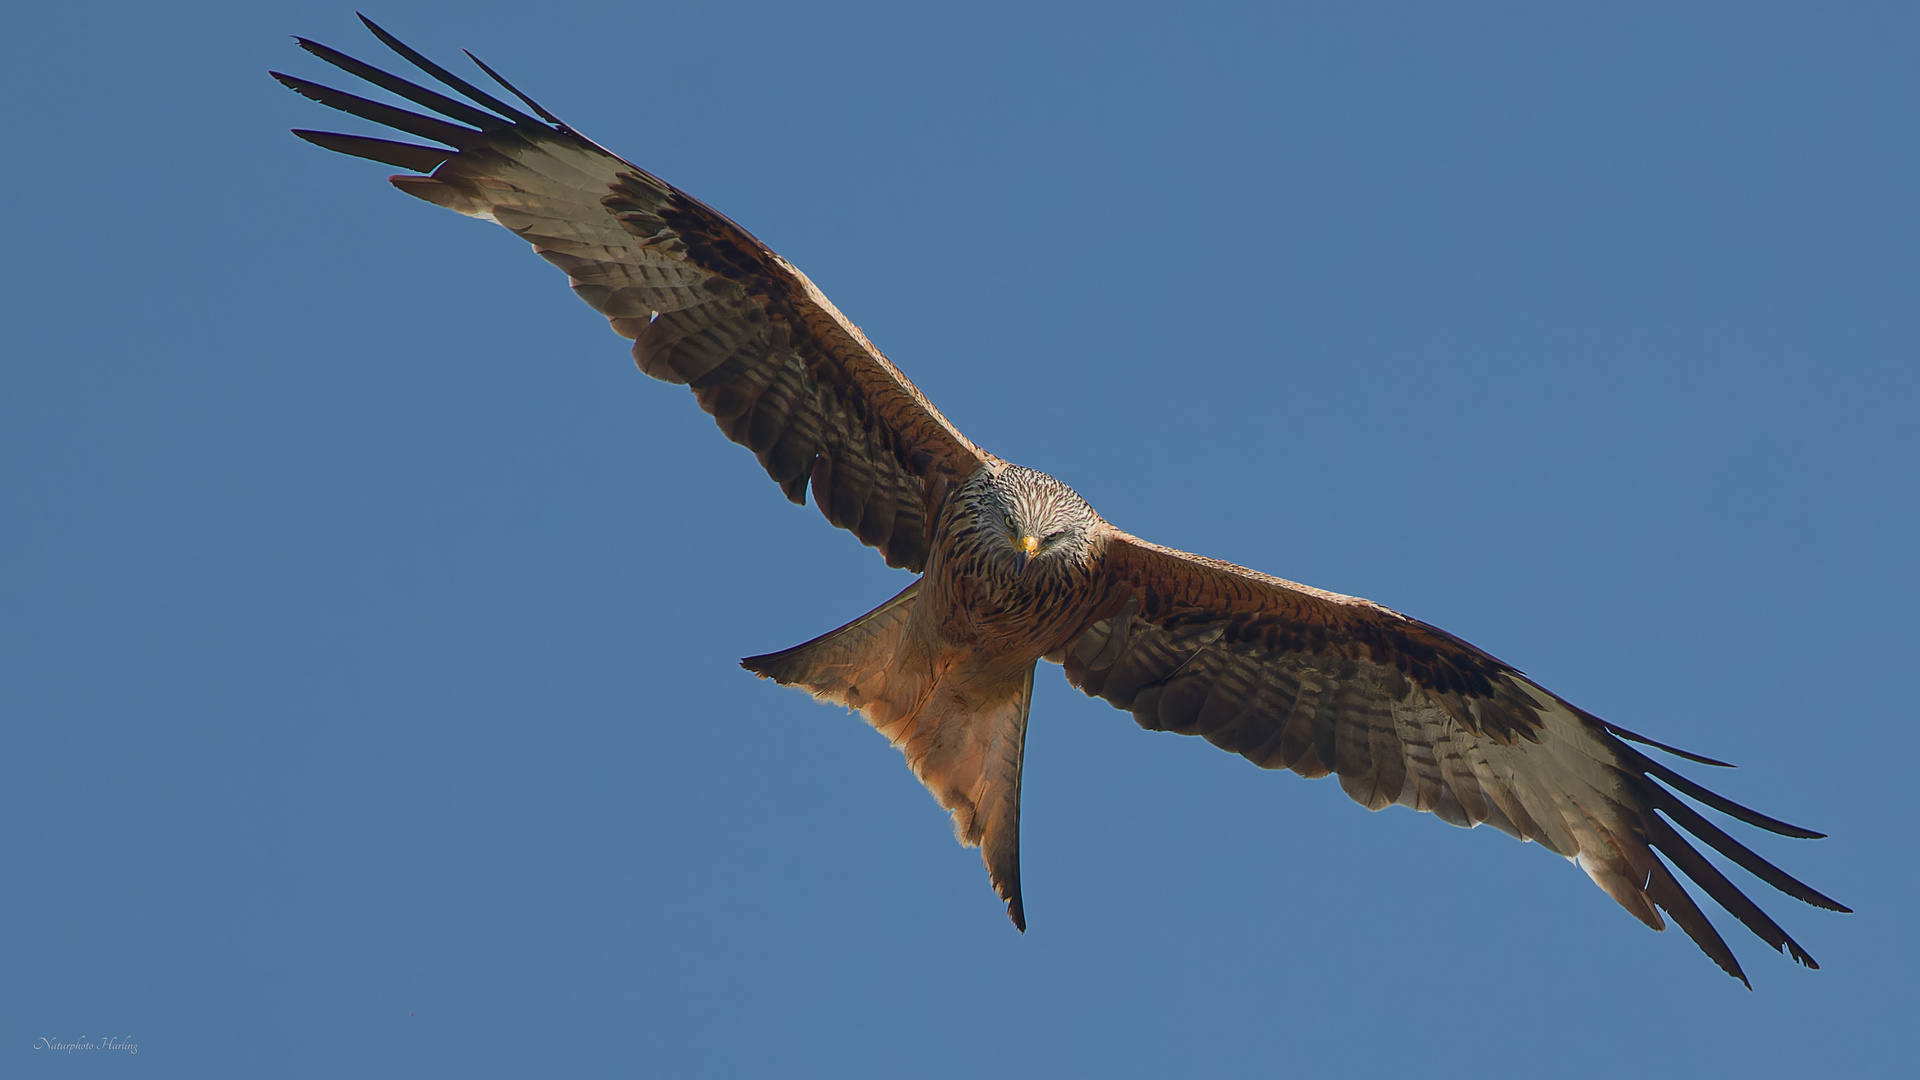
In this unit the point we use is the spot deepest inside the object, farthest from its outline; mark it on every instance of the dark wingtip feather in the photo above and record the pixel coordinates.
(1691, 820)
(419, 95)
(1633, 736)
(426, 127)
(1637, 760)
(420, 159)
(515, 91)
(1704, 874)
(1665, 890)
(413, 56)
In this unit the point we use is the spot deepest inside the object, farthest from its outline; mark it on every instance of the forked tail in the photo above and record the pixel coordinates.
(963, 728)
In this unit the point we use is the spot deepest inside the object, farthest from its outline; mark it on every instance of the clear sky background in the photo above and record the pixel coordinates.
(368, 625)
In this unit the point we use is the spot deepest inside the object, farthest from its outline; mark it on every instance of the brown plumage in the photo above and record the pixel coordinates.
(1015, 567)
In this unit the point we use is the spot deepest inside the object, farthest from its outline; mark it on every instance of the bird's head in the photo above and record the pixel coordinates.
(1048, 528)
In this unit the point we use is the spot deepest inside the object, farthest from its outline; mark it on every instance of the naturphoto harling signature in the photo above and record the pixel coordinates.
(109, 1042)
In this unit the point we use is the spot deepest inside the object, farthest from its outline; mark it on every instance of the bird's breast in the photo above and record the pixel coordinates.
(981, 598)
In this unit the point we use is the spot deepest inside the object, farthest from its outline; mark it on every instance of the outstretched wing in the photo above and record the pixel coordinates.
(706, 304)
(1295, 678)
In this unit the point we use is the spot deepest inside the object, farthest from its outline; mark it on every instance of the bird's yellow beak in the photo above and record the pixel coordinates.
(1024, 550)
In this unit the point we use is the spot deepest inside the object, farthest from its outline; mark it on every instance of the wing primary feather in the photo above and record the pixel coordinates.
(515, 91)
(419, 95)
(449, 78)
(412, 123)
(1691, 863)
(413, 156)
(1691, 820)
(1684, 786)
(1634, 736)
(1665, 890)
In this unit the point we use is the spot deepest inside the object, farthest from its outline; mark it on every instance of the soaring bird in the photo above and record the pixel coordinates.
(1015, 568)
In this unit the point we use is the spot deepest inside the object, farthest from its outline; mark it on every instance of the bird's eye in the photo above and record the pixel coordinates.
(1052, 536)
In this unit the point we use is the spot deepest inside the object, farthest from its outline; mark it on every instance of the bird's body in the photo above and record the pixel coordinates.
(945, 669)
(1015, 567)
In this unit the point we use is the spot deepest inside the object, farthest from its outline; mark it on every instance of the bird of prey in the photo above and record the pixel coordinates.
(1014, 567)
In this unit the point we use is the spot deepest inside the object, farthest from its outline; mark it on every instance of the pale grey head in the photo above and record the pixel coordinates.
(1046, 527)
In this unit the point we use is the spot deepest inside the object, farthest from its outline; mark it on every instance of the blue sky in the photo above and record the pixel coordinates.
(368, 624)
